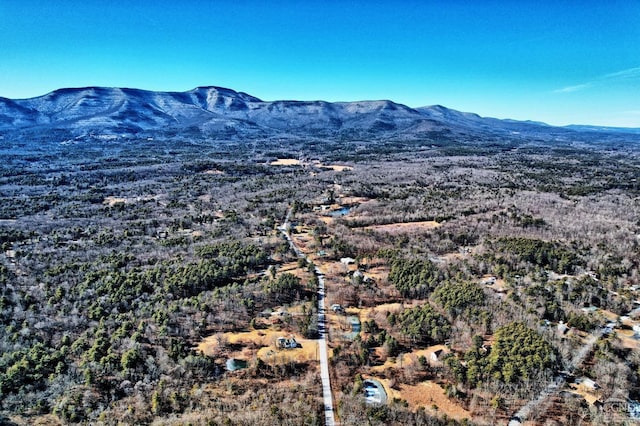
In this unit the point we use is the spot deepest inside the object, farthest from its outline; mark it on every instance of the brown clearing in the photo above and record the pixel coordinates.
(427, 394)
(292, 268)
(353, 200)
(285, 162)
(499, 286)
(610, 316)
(370, 313)
(404, 226)
(410, 358)
(627, 339)
(327, 219)
(378, 273)
(589, 396)
(294, 162)
(112, 201)
(265, 342)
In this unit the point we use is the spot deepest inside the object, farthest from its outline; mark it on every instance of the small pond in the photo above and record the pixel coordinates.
(234, 364)
(342, 211)
(355, 327)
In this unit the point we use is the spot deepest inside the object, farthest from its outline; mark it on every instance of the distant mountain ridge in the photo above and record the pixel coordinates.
(221, 113)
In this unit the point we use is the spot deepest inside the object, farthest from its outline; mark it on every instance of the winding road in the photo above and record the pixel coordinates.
(327, 395)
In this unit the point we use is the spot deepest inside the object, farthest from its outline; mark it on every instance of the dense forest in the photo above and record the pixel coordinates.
(521, 261)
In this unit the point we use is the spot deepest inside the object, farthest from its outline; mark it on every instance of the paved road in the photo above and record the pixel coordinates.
(327, 396)
(324, 357)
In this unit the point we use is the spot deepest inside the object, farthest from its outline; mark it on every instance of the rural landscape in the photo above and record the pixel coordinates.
(453, 269)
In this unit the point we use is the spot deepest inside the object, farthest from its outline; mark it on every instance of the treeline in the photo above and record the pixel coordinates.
(9, 236)
(29, 368)
(220, 264)
(455, 296)
(422, 325)
(414, 278)
(544, 254)
(518, 353)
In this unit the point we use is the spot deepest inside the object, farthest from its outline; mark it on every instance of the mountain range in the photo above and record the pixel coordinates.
(220, 113)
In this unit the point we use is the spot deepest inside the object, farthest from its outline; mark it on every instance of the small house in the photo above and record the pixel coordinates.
(337, 308)
(563, 329)
(348, 261)
(437, 355)
(589, 384)
(488, 280)
(286, 343)
(609, 328)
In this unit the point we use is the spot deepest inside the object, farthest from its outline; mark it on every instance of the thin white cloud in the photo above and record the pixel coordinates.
(631, 73)
(623, 75)
(575, 88)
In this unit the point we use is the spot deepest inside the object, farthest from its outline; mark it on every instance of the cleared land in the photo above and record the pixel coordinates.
(398, 228)
(286, 162)
(261, 344)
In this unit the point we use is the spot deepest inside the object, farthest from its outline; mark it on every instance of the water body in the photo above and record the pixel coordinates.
(355, 327)
(342, 211)
(234, 364)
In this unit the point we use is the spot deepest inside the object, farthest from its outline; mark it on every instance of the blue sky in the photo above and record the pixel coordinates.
(558, 61)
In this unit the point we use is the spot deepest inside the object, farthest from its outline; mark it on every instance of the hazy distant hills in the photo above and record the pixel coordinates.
(219, 113)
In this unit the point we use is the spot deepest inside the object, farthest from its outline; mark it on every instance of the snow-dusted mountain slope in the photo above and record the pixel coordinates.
(219, 113)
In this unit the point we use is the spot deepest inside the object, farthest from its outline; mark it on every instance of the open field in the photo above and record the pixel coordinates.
(398, 228)
(294, 162)
(261, 344)
(286, 162)
(432, 397)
